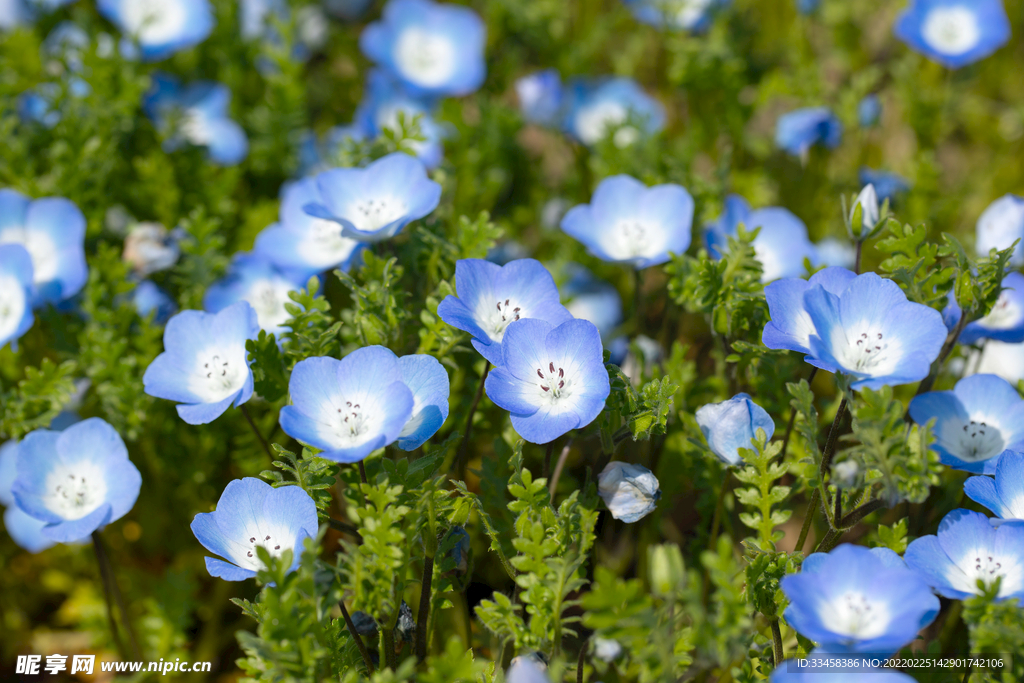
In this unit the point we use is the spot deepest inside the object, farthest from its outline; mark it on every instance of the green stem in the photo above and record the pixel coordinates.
(256, 431)
(424, 612)
(357, 638)
(547, 458)
(558, 469)
(463, 457)
(104, 576)
(581, 660)
(104, 560)
(928, 382)
(861, 512)
(830, 443)
(777, 652)
(343, 527)
(812, 508)
(362, 472)
(792, 420)
(388, 633)
(716, 517)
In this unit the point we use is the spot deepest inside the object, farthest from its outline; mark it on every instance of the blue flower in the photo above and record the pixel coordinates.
(161, 27)
(254, 17)
(969, 549)
(551, 379)
(730, 425)
(252, 278)
(631, 492)
(628, 222)
(25, 530)
(66, 42)
(1000, 225)
(614, 107)
(491, 297)
(832, 251)
(14, 13)
(781, 245)
(791, 326)
(869, 110)
(148, 298)
(807, 6)
(797, 131)
(1004, 495)
(249, 514)
(367, 400)
(975, 423)
(303, 245)
(1005, 322)
(52, 230)
(540, 97)
(853, 600)
(589, 298)
(870, 332)
(204, 365)
(383, 100)
(15, 294)
(196, 114)
(691, 15)
(954, 33)
(150, 248)
(376, 202)
(527, 669)
(77, 480)
(435, 49)
(887, 185)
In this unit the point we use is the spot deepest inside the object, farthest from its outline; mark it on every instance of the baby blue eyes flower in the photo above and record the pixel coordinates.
(150, 248)
(196, 114)
(613, 107)
(15, 293)
(975, 423)
(791, 326)
(52, 230)
(871, 333)
(366, 401)
(799, 130)
(628, 222)
(1000, 225)
(954, 33)
(969, 549)
(589, 298)
(853, 600)
(551, 379)
(204, 365)
(526, 669)
(835, 252)
(631, 492)
(252, 278)
(435, 49)
(690, 15)
(161, 27)
(25, 530)
(1004, 495)
(869, 110)
(540, 97)
(1005, 322)
(252, 513)
(382, 103)
(376, 202)
(148, 298)
(77, 480)
(491, 297)
(730, 425)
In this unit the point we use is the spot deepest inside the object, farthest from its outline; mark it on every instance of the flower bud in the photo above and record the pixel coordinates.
(844, 474)
(870, 213)
(665, 569)
(631, 492)
(606, 649)
(527, 668)
(150, 248)
(730, 425)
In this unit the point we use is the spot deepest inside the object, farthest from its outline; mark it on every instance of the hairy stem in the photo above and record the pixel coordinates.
(463, 457)
(812, 508)
(105, 577)
(388, 632)
(830, 443)
(424, 611)
(256, 431)
(947, 348)
(355, 636)
(558, 469)
(104, 561)
(777, 652)
(362, 472)
(792, 420)
(581, 660)
(343, 527)
(861, 512)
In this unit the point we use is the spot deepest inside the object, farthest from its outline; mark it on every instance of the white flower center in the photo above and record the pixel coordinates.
(371, 215)
(268, 297)
(1006, 313)
(45, 261)
(12, 305)
(495, 319)
(74, 491)
(425, 58)
(276, 538)
(554, 385)
(353, 423)
(854, 615)
(594, 122)
(868, 351)
(219, 373)
(977, 440)
(195, 127)
(324, 243)
(155, 21)
(951, 30)
(631, 238)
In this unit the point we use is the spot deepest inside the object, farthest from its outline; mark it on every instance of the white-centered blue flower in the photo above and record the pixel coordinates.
(856, 600)
(1004, 495)
(1005, 322)
(618, 107)
(383, 100)
(551, 379)
(149, 299)
(351, 407)
(376, 202)
(16, 292)
(435, 49)
(24, 529)
(52, 230)
(798, 131)
(161, 27)
(791, 326)
(975, 423)
(969, 549)
(252, 278)
(628, 222)
(204, 365)
(631, 492)
(954, 33)
(689, 15)
(251, 513)
(872, 334)
(730, 425)
(1000, 225)
(196, 114)
(541, 97)
(781, 245)
(301, 244)
(490, 297)
(77, 480)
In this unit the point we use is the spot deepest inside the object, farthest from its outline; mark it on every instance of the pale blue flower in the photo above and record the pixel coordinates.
(204, 365)
(25, 530)
(689, 15)
(148, 298)
(541, 97)
(791, 326)
(887, 185)
(14, 13)
(1002, 224)
(1005, 322)
(435, 49)
(150, 248)
(969, 549)
(618, 107)
(954, 33)
(836, 252)
(731, 425)
(15, 294)
(798, 131)
(975, 423)
(76, 481)
(869, 111)
(527, 669)
(383, 100)
(255, 17)
(593, 299)
(631, 492)
(628, 222)
(252, 278)
(52, 230)
(249, 514)
(551, 379)
(376, 202)
(161, 27)
(807, 6)
(1004, 495)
